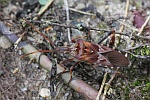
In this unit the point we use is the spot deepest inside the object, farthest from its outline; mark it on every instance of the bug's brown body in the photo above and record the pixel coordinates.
(98, 54)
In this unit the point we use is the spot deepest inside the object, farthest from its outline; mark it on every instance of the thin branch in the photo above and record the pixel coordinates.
(137, 56)
(90, 28)
(102, 86)
(138, 46)
(8, 87)
(105, 36)
(126, 14)
(127, 25)
(108, 84)
(82, 12)
(68, 20)
(17, 42)
(144, 25)
(49, 2)
(48, 40)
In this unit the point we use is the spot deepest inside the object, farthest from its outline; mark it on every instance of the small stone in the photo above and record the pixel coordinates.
(44, 92)
(4, 42)
(80, 6)
(24, 89)
(70, 3)
(15, 70)
(106, 7)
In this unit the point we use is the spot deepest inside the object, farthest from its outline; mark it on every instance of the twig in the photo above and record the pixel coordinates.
(105, 30)
(9, 87)
(122, 26)
(144, 25)
(102, 86)
(17, 42)
(44, 8)
(82, 12)
(138, 46)
(40, 33)
(141, 37)
(126, 14)
(68, 21)
(127, 25)
(137, 56)
(108, 84)
(105, 36)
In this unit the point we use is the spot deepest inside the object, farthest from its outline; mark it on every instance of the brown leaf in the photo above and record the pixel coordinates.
(138, 19)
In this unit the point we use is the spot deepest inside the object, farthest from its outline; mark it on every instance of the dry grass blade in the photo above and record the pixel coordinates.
(68, 21)
(102, 86)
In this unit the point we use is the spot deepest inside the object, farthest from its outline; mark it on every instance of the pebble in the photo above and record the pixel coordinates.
(80, 6)
(4, 42)
(44, 92)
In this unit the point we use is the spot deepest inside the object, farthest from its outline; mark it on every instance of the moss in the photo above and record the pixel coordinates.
(146, 88)
(4, 2)
(137, 83)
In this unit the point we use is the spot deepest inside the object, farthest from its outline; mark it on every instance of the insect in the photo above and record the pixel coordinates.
(97, 54)
(89, 52)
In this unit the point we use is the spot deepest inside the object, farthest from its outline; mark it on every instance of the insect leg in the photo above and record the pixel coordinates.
(65, 61)
(71, 70)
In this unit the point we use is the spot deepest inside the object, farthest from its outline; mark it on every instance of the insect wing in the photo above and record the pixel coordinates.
(117, 59)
